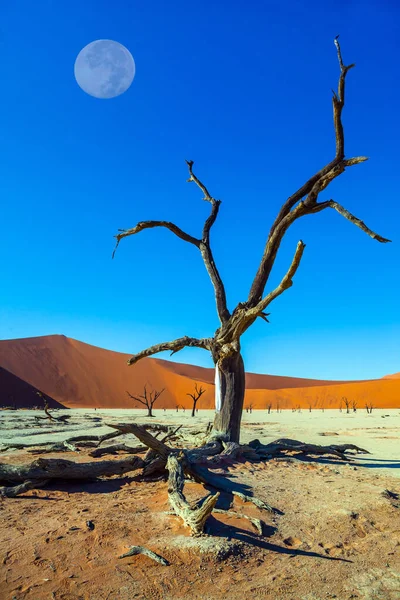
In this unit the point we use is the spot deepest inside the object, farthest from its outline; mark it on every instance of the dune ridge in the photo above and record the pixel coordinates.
(78, 375)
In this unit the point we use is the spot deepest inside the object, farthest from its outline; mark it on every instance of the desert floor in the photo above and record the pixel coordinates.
(337, 533)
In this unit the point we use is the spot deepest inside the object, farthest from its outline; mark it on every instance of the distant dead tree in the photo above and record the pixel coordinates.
(250, 407)
(354, 405)
(310, 406)
(269, 406)
(48, 414)
(347, 403)
(197, 394)
(225, 345)
(148, 399)
(369, 406)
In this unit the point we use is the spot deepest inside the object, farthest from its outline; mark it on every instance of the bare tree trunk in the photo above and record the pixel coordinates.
(232, 381)
(150, 411)
(194, 409)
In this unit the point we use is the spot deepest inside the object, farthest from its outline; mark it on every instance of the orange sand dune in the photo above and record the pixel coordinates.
(393, 376)
(77, 375)
(253, 380)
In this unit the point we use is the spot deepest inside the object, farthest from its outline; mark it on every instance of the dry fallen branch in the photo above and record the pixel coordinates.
(171, 434)
(144, 436)
(58, 468)
(57, 447)
(70, 443)
(134, 550)
(117, 448)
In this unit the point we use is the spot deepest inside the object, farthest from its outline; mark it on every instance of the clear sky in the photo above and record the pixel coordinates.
(243, 89)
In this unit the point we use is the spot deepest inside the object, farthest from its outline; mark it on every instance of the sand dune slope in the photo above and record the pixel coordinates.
(17, 393)
(80, 375)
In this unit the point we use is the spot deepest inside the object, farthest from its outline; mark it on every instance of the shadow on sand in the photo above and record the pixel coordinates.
(214, 526)
(364, 462)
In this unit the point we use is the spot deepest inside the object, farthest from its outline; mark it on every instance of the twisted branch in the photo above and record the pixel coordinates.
(307, 194)
(205, 249)
(174, 346)
(149, 225)
(203, 244)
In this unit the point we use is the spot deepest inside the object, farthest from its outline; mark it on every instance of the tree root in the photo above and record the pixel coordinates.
(282, 446)
(154, 465)
(161, 458)
(194, 517)
(142, 550)
(203, 475)
(257, 523)
(16, 490)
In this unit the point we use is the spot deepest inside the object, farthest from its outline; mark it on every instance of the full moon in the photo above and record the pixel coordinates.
(104, 69)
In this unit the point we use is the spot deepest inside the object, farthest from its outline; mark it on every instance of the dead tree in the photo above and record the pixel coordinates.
(197, 394)
(354, 405)
(269, 406)
(346, 402)
(369, 406)
(224, 345)
(148, 399)
(47, 412)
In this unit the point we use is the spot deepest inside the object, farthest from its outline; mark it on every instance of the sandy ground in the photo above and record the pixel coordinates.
(337, 535)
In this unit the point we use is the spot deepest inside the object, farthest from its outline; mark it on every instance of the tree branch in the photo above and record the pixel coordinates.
(174, 346)
(350, 217)
(286, 282)
(309, 190)
(149, 225)
(144, 402)
(205, 248)
(338, 102)
(203, 244)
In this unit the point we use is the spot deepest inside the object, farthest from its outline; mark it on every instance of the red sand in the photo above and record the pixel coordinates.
(82, 376)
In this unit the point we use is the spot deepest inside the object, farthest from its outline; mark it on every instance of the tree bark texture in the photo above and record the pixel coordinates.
(233, 382)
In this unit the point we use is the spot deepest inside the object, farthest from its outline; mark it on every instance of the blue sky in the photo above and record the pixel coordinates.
(245, 91)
